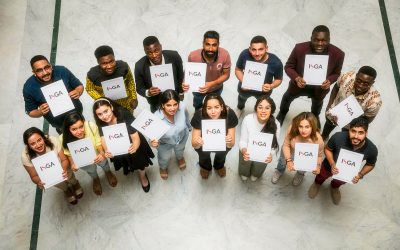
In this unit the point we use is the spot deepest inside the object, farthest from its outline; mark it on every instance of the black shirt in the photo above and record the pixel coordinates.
(231, 120)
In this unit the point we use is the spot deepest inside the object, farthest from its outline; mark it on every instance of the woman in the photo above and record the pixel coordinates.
(213, 108)
(304, 129)
(37, 144)
(108, 113)
(262, 120)
(75, 128)
(173, 113)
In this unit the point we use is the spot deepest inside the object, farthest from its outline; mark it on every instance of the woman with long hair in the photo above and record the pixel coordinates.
(213, 108)
(262, 120)
(75, 128)
(173, 113)
(106, 113)
(37, 144)
(304, 129)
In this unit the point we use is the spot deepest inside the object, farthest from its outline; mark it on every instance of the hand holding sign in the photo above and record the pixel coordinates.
(195, 75)
(348, 164)
(315, 69)
(162, 76)
(259, 146)
(305, 156)
(114, 88)
(117, 139)
(254, 75)
(150, 125)
(82, 152)
(213, 133)
(57, 98)
(49, 169)
(347, 110)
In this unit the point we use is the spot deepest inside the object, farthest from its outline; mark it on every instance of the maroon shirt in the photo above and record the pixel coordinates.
(294, 66)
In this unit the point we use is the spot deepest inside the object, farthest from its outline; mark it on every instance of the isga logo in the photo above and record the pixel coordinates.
(213, 131)
(260, 143)
(56, 94)
(115, 136)
(349, 163)
(147, 123)
(254, 72)
(194, 73)
(161, 75)
(348, 108)
(113, 87)
(305, 153)
(81, 150)
(47, 165)
(315, 66)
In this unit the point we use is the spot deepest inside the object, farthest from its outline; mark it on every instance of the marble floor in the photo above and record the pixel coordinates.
(186, 212)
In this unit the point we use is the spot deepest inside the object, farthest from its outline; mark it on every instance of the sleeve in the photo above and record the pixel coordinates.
(188, 125)
(25, 160)
(286, 145)
(128, 118)
(139, 78)
(73, 82)
(321, 147)
(332, 142)
(190, 57)
(232, 120)
(337, 68)
(58, 145)
(373, 109)
(241, 63)
(96, 134)
(30, 102)
(372, 156)
(196, 120)
(290, 66)
(227, 63)
(244, 132)
(130, 85)
(279, 70)
(179, 72)
(90, 89)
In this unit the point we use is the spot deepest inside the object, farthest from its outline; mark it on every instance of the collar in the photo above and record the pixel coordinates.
(162, 60)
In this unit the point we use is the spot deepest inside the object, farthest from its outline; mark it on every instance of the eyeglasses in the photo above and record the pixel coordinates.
(46, 68)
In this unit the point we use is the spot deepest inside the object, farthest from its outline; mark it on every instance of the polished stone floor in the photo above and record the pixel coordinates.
(186, 212)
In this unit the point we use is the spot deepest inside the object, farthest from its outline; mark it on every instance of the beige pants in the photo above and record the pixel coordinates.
(248, 168)
(70, 182)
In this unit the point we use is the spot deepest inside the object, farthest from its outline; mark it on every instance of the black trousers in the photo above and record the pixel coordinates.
(205, 159)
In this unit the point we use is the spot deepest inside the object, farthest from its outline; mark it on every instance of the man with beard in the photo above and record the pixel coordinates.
(360, 85)
(294, 68)
(354, 140)
(155, 55)
(108, 69)
(44, 74)
(258, 52)
(218, 63)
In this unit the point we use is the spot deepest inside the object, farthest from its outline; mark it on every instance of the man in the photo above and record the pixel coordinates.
(294, 68)
(44, 74)
(361, 86)
(218, 63)
(258, 52)
(108, 68)
(155, 55)
(354, 140)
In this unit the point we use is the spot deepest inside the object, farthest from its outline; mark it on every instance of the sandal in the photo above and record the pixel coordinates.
(164, 173)
(182, 164)
(71, 197)
(78, 190)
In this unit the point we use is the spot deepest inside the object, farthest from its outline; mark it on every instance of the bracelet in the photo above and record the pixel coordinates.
(288, 159)
(360, 174)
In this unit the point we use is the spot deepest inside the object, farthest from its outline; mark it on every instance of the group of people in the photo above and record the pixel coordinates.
(208, 103)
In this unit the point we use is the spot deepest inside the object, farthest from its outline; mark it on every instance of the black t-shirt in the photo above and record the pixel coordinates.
(124, 117)
(231, 120)
(342, 140)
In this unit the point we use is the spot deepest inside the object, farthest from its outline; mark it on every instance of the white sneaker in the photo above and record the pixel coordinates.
(238, 112)
(253, 178)
(244, 178)
(275, 178)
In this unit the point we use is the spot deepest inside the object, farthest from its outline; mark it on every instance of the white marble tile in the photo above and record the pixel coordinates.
(186, 212)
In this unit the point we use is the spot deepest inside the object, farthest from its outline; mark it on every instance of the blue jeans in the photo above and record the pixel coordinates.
(244, 95)
(281, 167)
(92, 168)
(198, 97)
(164, 150)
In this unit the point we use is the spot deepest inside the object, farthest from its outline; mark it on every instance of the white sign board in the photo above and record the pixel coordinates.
(114, 88)
(116, 138)
(305, 156)
(49, 169)
(348, 164)
(213, 133)
(150, 125)
(57, 97)
(254, 75)
(195, 75)
(259, 146)
(347, 110)
(315, 69)
(162, 76)
(82, 152)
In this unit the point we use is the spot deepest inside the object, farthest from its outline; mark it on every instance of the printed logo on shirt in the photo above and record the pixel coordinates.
(219, 66)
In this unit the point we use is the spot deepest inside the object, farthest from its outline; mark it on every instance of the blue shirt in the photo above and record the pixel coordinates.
(178, 129)
(34, 97)
(274, 70)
